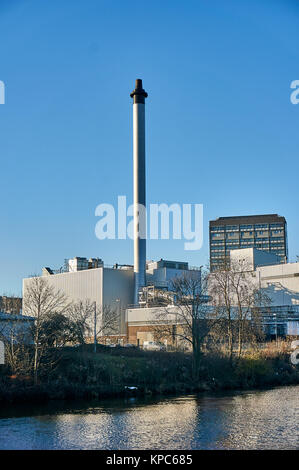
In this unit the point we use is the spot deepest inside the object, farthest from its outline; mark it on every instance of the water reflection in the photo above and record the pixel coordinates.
(254, 420)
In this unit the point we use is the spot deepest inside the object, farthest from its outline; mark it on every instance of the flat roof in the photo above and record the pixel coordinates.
(243, 219)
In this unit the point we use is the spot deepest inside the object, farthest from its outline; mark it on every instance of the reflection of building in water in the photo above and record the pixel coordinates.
(263, 420)
(130, 426)
(250, 420)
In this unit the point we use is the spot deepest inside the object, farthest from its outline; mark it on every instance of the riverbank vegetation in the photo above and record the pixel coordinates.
(72, 373)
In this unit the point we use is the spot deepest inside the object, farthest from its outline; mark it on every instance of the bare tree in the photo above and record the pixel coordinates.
(190, 319)
(109, 322)
(17, 339)
(237, 298)
(249, 297)
(220, 290)
(56, 330)
(87, 320)
(81, 316)
(40, 300)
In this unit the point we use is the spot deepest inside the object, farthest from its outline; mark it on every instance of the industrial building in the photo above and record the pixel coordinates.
(160, 273)
(265, 232)
(131, 289)
(142, 323)
(81, 281)
(280, 282)
(90, 280)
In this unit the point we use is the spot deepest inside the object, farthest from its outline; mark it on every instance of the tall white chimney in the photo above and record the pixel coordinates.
(139, 96)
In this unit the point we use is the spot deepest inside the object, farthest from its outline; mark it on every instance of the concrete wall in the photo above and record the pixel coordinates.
(149, 316)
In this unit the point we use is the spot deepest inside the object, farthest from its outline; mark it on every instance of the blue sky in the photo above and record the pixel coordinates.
(221, 129)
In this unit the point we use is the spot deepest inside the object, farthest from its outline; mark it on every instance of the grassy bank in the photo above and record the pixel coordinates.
(80, 373)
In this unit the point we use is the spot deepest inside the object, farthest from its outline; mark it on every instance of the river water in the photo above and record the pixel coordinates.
(237, 420)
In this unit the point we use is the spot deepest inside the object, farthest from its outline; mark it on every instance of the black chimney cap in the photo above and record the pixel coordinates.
(139, 93)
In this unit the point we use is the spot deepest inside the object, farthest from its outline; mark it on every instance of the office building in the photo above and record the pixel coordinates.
(264, 232)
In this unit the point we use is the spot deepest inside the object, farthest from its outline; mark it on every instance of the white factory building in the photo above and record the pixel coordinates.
(113, 286)
(84, 280)
(90, 280)
(280, 281)
(281, 284)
